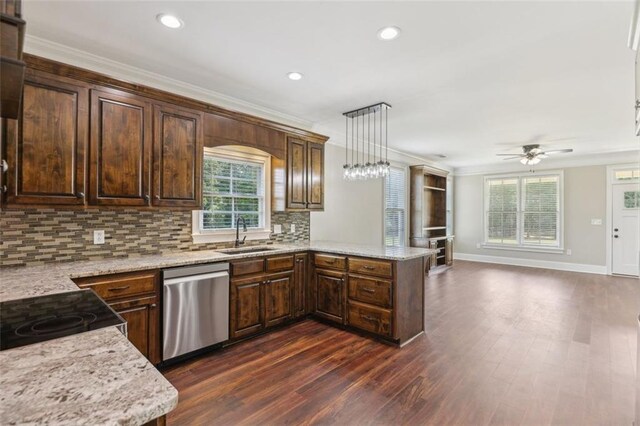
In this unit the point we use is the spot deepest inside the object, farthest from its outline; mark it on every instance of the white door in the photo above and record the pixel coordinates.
(626, 232)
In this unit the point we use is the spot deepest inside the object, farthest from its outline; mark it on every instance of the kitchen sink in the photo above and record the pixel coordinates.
(245, 250)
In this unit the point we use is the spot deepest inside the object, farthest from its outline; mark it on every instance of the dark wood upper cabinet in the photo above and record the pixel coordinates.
(46, 147)
(177, 157)
(296, 174)
(221, 130)
(315, 176)
(12, 67)
(305, 175)
(119, 172)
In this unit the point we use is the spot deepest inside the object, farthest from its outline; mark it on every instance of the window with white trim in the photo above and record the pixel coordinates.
(395, 190)
(523, 211)
(234, 185)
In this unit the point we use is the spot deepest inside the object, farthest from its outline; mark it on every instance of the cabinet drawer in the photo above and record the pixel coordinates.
(371, 267)
(370, 290)
(330, 261)
(117, 286)
(246, 267)
(369, 318)
(280, 263)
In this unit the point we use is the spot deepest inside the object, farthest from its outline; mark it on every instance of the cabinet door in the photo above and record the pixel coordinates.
(120, 149)
(142, 325)
(46, 149)
(330, 295)
(296, 174)
(177, 157)
(299, 297)
(246, 307)
(277, 298)
(315, 176)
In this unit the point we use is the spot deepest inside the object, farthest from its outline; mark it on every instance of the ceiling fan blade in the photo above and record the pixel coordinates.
(514, 157)
(510, 155)
(558, 151)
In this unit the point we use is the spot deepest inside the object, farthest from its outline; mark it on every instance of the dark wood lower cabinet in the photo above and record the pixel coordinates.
(330, 291)
(246, 306)
(142, 318)
(299, 287)
(277, 298)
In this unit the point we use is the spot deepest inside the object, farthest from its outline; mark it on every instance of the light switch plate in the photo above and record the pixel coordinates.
(98, 237)
(596, 221)
(293, 228)
(568, 252)
(277, 229)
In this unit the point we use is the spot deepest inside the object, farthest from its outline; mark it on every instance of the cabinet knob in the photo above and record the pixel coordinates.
(4, 188)
(146, 197)
(80, 194)
(153, 305)
(157, 197)
(4, 165)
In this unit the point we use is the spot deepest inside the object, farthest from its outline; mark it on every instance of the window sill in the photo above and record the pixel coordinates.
(226, 236)
(550, 250)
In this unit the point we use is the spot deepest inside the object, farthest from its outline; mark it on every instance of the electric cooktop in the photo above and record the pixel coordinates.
(37, 319)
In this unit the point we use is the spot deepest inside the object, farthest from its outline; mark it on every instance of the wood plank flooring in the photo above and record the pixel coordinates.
(503, 345)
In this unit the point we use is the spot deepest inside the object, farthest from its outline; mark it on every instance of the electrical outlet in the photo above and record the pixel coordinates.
(568, 252)
(277, 229)
(293, 228)
(596, 221)
(98, 237)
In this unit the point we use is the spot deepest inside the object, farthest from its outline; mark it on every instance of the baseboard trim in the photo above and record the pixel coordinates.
(531, 263)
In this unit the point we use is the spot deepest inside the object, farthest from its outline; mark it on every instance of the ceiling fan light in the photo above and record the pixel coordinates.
(534, 161)
(524, 161)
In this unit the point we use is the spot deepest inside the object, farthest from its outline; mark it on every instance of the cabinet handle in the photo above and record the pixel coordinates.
(146, 197)
(368, 318)
(368, 268)
(153, 305)
(157, 197)
(124, 287)
(80, 194)
(4, 188)
(368, 290)
(267, 282)
(4, 165)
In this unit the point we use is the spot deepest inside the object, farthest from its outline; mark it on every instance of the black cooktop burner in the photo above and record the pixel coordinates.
(36, 319)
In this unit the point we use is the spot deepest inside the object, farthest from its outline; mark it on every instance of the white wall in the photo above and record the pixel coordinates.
(353, 210)
(584, 199)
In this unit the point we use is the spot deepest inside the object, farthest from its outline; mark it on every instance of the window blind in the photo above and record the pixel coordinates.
(523, 210)
(232, 189)
(394, 207)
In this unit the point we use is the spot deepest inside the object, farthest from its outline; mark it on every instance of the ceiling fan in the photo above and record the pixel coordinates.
(532, 154)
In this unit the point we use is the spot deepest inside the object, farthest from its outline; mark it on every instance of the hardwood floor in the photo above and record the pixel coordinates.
(503, 345)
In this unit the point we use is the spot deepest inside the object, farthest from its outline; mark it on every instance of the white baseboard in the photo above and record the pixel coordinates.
(560, 266)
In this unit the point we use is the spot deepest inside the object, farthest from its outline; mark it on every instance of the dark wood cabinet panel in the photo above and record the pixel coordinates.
(177, 158)
(246, 307)
(299, 288)
(296, 174)
(133, 295)
(315, 176)
(120, 149)
(369, 318)
(371, 290)
(47, 145)
(329, 295)
(220, 130)
(277, 298)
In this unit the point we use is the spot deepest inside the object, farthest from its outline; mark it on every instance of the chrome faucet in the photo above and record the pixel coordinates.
(244, 228)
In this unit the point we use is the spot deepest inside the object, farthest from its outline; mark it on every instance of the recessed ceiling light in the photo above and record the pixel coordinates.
(388, 33)
(294, 76)
(170, 20)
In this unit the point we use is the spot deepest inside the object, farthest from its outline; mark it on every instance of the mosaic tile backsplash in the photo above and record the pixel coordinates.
(35, 237)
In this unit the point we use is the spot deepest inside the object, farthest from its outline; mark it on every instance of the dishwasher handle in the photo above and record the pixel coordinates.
(202, 277)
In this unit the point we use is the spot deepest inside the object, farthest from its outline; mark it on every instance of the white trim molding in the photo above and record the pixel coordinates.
(69, 55)
(531, 263)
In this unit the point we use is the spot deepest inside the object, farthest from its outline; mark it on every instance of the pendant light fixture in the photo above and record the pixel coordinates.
(369, 125)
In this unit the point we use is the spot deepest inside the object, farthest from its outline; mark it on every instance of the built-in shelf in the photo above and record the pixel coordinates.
(433, 228)
(434, 188)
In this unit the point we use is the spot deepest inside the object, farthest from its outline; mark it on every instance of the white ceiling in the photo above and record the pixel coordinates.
(466, 79)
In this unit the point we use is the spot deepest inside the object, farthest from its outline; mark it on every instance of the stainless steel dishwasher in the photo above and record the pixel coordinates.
(195, 308)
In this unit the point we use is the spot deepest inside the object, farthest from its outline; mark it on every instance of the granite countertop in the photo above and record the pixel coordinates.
(97, 377)
(30, 281)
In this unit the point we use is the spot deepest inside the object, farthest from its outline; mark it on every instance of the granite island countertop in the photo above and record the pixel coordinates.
(99, 377)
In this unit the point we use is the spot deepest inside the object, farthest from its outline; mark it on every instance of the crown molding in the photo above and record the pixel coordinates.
(600, 159)
(68, 55)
